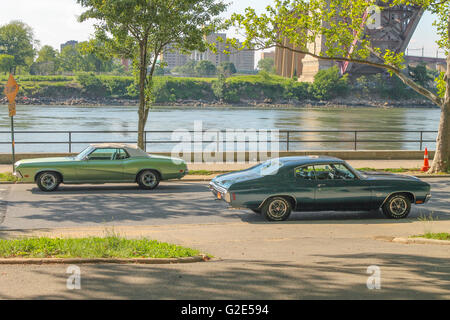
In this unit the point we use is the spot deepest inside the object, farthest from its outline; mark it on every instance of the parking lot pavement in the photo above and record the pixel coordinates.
(24, 206)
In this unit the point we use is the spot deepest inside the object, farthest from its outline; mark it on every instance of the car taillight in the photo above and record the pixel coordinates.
(234, 196)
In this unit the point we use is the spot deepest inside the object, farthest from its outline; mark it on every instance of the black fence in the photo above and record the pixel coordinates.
(287, 138)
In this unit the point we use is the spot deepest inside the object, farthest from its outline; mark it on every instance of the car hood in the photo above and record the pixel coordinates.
(226, 180)
(389, 176)
(43, 160)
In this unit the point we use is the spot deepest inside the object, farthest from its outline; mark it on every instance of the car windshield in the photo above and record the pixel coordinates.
(84, 153)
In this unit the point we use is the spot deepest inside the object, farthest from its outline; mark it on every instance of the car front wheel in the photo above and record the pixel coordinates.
(276, 209)
(148, 179)
(48, 181)
(397, 207)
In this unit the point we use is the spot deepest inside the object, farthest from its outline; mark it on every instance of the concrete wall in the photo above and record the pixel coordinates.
(5, 158)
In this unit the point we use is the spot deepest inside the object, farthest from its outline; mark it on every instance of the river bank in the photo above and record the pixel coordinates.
(267, 103)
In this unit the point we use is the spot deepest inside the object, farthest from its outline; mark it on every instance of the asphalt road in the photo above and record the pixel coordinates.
(24, 206)
(315, 255)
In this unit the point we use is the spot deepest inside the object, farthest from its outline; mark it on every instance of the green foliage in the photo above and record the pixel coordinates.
(329, 84)
(111, 246)
(441, 84)
(267, 65)
(117, 86)
(92, 85)
(170, 89)
(17, 40)
(421, 75)
(6, 63)
(205, 68)
(226, 68)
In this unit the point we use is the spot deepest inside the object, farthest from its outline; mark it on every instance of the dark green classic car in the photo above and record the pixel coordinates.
(101, 163)
(279, 186)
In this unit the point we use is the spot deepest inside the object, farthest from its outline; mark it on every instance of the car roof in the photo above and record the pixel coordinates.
(303, 160)
(133, 150)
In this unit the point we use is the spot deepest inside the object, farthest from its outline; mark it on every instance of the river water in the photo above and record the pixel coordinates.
(116, 118)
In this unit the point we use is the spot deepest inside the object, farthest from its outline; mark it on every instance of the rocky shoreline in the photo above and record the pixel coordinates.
(343, 103)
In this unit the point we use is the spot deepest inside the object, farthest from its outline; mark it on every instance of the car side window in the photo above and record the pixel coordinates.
(333, 172)
(102, 154)
(121, 154)
(341, 172)
(324, 172)
(305, 173)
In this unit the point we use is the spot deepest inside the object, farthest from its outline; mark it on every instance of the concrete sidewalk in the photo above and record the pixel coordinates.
(376, 164)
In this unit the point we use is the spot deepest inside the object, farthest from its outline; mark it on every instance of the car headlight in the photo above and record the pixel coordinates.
(227, 197)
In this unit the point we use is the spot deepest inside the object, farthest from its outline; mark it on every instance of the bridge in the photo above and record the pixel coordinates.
(398, 24)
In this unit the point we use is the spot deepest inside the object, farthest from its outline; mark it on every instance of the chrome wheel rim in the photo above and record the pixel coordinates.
(398, 206)
(149, 179)
(48, 181)
(277, 208)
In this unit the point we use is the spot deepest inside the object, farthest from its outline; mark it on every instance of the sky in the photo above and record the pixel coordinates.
(55, 21)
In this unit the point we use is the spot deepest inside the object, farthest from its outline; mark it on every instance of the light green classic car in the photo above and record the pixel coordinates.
(101, 163)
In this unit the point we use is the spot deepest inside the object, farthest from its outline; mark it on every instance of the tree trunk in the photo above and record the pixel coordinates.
(142, 112)
(441, 162)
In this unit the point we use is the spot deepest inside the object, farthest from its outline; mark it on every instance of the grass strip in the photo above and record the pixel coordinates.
(435, 236)
(91, 247)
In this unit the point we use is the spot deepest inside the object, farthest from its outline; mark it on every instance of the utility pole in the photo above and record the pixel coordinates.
(11, 90)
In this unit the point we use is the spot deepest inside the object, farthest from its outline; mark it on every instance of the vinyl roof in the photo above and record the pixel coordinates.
(309, 160)
(132, 150)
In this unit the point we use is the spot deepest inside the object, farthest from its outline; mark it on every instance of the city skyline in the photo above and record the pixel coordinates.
(43, 15)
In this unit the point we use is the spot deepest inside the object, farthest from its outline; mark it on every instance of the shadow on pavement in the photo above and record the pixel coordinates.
(128, 205)
(403, 276)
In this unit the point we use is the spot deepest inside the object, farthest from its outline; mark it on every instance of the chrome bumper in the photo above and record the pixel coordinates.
(427, 198)
(18, 175)
(216, 190)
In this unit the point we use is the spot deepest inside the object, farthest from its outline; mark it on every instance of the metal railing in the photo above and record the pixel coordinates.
(289, 137)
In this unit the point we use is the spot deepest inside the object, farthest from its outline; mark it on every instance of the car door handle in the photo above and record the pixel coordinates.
(321, 185)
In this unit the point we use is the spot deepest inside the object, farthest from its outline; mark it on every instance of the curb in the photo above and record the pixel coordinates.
(420, 241)
(39, 261)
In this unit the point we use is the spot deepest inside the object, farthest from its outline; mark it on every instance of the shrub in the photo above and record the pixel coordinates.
(329, 84)
(92, 85)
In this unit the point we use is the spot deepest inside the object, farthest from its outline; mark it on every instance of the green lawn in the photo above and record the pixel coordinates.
(93, 247)
(7, 176)
(435, 236)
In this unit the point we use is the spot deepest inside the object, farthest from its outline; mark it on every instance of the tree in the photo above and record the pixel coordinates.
(267, 65)
(296, 25)
(329, 84)
(226, 68)
(83, 57)
(47, 61)
(142, 29)
(17, 40)
(420, 74)
(71, 59)
(205, 68)
(6, 63)
(187, 69)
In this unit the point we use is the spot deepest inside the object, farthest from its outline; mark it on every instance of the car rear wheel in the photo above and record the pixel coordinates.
(397, 206)
(148, 179)
(276, 209)
(48, 181)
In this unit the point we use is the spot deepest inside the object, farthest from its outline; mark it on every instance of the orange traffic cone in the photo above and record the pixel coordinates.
(426, 163)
